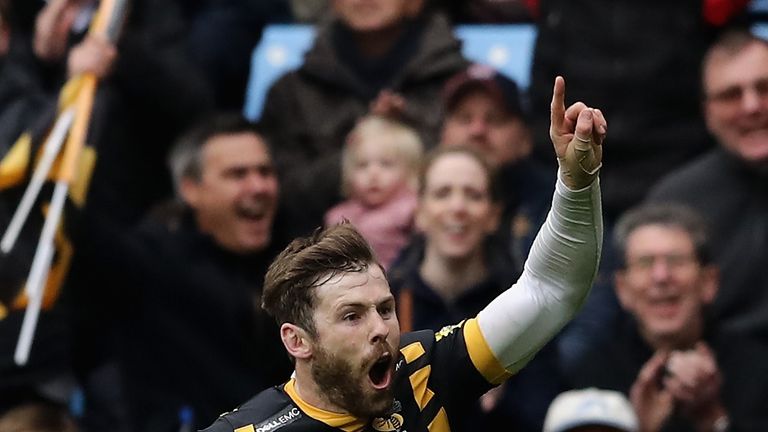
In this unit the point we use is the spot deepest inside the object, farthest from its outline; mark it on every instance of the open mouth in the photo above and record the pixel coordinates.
(380, 373)
(252, 213)
(666, 306)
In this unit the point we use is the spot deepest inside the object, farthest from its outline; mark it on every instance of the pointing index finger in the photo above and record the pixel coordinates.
(557, 108)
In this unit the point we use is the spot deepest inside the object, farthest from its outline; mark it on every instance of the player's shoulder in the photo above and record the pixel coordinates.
(270, 410)
(429, 337)
(424, 342)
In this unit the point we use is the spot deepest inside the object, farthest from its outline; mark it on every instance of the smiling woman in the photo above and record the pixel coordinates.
(452, 269)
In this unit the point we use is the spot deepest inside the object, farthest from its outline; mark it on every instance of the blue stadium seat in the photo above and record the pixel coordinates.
(759, 11)
(508, 48)
(760, 30)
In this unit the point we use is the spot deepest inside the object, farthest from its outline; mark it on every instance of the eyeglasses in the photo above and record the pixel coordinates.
(734, 94)
(674, 262)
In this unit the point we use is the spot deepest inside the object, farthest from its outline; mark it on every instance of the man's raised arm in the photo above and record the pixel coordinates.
(563, 261)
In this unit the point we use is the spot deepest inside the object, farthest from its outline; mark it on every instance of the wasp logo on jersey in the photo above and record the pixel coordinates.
(447, 330)
(391, 424)
(397, 406)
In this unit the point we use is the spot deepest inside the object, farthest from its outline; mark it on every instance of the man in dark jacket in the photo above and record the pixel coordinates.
(729, 185)
(191, 339)
(681, 371)
(381, 55)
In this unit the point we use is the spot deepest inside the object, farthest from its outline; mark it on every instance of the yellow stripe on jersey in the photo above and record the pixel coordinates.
(248, 428)
(412, 352)
(440, 422)
(419, 384)
(481, 355)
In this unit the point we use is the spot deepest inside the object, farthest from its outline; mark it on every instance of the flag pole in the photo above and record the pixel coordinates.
(105, 22)
(51, 148)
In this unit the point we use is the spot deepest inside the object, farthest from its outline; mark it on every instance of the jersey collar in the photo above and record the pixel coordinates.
(344, 422)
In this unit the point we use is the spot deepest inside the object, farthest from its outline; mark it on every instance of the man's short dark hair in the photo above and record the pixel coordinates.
(730, 43)
(671, 215)
(289, 285)
(185, 158)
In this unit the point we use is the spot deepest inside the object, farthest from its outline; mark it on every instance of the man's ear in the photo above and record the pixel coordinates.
(494, 220)
(526, 140)
(622, 289)
(414, 7)
(420, 221)
(296, 340)
(190, 191)
(710, 282)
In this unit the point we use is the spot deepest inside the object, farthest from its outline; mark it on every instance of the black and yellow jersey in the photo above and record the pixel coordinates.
(437, 375)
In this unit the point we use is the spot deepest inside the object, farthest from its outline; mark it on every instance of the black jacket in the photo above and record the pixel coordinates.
(182, 317)
(743, 362)
(733, 199)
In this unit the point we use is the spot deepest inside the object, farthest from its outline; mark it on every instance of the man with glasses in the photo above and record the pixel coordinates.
(680, 372)
(729, 185)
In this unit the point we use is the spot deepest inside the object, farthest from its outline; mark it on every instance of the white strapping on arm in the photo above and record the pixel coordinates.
(559, 272)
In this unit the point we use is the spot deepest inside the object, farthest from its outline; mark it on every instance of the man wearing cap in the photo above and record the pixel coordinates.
(484, 111)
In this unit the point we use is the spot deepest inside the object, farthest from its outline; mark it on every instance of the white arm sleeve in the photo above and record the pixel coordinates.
(558, 274)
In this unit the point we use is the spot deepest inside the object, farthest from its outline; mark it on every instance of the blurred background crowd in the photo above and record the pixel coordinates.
(152, 318)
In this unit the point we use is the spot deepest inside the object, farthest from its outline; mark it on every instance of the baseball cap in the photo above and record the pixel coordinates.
(590, 407)
(487, 79)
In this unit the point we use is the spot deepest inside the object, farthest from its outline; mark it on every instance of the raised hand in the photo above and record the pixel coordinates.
(52, 29)
(577, 134)
(694, 381)
(653, 403)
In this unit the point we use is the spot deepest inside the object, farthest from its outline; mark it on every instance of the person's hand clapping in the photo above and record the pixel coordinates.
(653, 403)
(695, 382)
(577, 134)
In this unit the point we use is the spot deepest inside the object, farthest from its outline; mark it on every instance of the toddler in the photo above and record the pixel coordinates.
(380, 166)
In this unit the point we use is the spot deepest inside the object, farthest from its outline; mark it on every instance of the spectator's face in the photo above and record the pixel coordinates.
(235, 199)
(663, 284)
(378, 172)
(374, 15)
(477, 120)
(456, 212)
(736, 106)
(354, 353)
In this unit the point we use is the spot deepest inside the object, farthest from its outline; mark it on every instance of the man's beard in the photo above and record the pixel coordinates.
(343, 386)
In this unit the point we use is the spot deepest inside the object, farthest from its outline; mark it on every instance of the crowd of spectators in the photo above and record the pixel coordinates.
(155, 322)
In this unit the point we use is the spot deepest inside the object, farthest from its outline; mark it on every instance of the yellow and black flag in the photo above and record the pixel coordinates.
(47, 172)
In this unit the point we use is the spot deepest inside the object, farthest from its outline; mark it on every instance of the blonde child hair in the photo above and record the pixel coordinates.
(401, 138)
